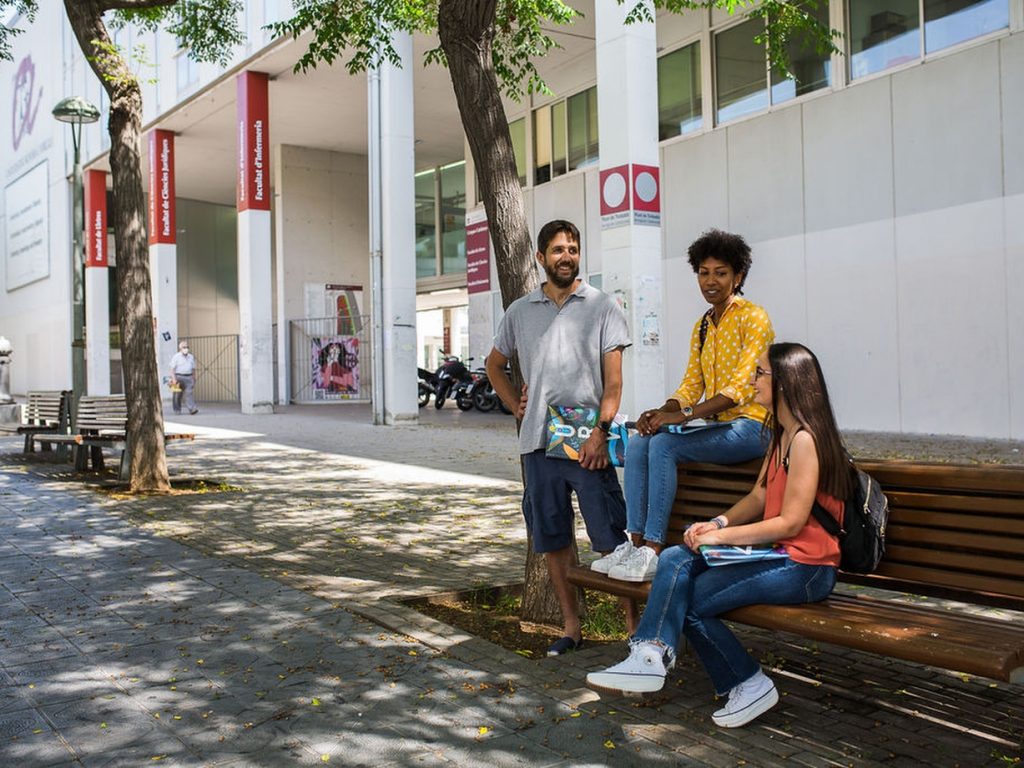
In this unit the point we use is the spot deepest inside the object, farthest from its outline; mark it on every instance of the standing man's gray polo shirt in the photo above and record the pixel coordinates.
(560, 352)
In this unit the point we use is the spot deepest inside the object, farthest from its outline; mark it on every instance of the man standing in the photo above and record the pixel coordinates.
(569, 337)
(183, 379)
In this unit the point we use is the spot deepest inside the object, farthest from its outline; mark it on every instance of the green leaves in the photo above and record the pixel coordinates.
(9, 11)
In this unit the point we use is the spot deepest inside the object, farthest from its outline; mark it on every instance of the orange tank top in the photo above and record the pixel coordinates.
(813, 545)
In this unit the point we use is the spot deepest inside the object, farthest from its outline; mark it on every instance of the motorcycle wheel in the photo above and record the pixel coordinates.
(464, 402)
(438, 401)
(484, 400)
(424, 396)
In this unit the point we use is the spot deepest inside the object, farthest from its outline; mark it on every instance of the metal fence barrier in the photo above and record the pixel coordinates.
(330, 359)
(216, 367)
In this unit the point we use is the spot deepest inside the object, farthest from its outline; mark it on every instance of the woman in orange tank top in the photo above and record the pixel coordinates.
(806, 463)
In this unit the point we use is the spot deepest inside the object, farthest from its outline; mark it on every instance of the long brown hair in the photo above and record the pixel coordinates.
(797, 378)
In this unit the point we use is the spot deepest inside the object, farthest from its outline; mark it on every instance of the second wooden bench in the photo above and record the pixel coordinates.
(101, 422)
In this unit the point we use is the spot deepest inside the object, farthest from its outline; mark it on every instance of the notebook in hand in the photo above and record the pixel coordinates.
(724, 554)
(569, 427)
(694, 425)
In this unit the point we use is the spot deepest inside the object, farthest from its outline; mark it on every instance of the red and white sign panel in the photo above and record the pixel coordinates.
(96, 219)
(646, 195)
(614, 190)
(646, 188)
(253, 142)
(478, 252)
(162, 226)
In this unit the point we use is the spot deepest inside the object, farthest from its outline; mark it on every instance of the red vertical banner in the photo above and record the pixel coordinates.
(253, 142)
(95, 218)
(478, 252)
(162, 226)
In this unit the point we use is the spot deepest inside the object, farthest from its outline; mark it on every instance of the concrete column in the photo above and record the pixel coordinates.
(163, 252)
(627, 102)
(398, 235)
(97, 285)
(255, 297)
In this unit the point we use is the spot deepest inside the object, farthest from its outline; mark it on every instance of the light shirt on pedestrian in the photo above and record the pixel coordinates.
(183, 364)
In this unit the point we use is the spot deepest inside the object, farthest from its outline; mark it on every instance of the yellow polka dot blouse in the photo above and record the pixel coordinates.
(726, 366)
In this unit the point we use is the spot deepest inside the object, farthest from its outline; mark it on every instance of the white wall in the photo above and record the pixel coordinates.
(886, 226)
(321, 199)
(36, 317)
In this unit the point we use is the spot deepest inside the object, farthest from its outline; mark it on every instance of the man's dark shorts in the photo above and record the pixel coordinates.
(547, 503)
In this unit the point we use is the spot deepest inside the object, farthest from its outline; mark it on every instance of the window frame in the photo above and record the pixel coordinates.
(440, 279)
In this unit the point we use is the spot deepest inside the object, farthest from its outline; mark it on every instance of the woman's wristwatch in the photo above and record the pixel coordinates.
(688, 412)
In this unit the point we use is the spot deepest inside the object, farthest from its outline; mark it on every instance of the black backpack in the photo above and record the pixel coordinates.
(862, 536)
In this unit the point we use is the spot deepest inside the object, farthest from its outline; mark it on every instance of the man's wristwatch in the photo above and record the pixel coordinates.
(605, 426)
(688, 411)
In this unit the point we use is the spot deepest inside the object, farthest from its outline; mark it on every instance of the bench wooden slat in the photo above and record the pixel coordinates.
(982, 505)
(938, 539)
(913, 519)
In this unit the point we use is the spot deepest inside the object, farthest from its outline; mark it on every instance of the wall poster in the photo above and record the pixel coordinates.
(335, 367)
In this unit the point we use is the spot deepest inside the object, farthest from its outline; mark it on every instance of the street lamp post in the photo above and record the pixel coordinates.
(77, 111)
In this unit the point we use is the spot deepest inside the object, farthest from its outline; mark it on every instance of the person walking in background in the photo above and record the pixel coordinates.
(569, 337)
(806, 463)
(724, 346)
(183, 379)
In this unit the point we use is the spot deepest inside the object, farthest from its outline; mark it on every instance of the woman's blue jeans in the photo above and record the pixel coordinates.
(651, 468)
(687, 595)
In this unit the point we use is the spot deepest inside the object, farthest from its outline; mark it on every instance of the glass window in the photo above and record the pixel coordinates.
(426, 225)
(187, 71)
(883, 34)
(541, 145)
(558, 164)
(811, 69)
(517, 129)
(549, 139)
(581, 113)
(948, 22)
(741, 71)
(679, 92)
(453, 218)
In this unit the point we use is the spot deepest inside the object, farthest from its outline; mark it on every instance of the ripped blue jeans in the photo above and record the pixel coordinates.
(687, 595)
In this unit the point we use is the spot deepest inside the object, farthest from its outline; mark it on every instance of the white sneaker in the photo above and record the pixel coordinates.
(639, 566)
(616, 556)
(643, 671)
(748, 700)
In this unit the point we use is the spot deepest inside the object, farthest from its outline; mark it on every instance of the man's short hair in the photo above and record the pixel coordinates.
(552, 228)
(182, 345)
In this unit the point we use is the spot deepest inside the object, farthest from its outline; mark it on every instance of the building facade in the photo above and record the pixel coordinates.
(882, 190)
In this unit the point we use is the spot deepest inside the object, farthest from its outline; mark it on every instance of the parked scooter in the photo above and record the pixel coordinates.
(427, 386)
(483, 394)
(453, 379)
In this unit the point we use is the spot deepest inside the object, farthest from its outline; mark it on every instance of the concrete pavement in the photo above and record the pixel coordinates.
(264, 626)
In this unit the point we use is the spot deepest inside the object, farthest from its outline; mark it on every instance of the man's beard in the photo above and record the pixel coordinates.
(557, 279)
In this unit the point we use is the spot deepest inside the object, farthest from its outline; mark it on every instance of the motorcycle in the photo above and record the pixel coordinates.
(427, 386)
(453, 378)
(484, 397)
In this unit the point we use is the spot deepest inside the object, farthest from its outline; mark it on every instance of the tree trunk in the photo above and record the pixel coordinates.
(466, 30)
(145, 428)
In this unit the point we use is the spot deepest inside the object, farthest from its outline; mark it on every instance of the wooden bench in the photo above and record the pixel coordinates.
(101, 422)
(44, 413)
(955, 532)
